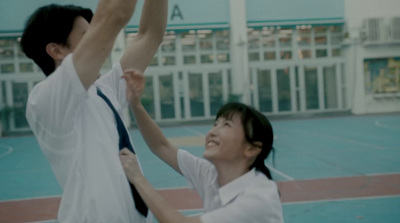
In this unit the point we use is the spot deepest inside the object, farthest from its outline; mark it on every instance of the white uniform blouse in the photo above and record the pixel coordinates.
(76, 131)
(251, 198)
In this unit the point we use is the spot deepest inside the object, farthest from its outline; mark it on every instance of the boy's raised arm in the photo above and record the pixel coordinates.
(96, 45)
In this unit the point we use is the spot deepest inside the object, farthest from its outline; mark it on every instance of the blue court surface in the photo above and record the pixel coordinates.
(314, 148)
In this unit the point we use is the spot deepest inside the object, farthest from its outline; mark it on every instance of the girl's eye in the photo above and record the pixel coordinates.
(227, 124)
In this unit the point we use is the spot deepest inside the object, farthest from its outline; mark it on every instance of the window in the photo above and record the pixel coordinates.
(382, 75)
(189, 59)
(169, 60)
(205, 38)
(223, 58)
(304, 35)
(7, 68)
(168, 45)
(209, 58)
(286, 55)
(269, 55)
(188, 40)
(285, 37)
(304, 54)
(321, 53)
(254, 56)
(268, 37)
(253, 38)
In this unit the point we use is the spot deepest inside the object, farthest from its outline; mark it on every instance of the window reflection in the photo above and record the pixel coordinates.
(215, 87)
(304, 54)
(7, 68)
(264, 90)
(330, 87)
(196, 94)
(311, 84)
(26, 67)
(167, 96)
(168, 45)
(169, 60)
(268, 37)
(283, 81)
(285, 37)
(205, 37)
(223, 58)
(209, 58)
(254, 56)
(188, 40)
(20, 96)
(253, 37)
(191, 59)
(286, 55)
(321, 53)
(148, 97)
(269, 55)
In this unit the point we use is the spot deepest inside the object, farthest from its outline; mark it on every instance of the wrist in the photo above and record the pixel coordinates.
(136, 104)
(137, 177)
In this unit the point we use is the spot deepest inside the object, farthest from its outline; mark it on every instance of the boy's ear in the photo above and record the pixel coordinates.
(56, 51)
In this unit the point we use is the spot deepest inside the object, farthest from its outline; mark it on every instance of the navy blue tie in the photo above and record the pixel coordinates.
(124, 142)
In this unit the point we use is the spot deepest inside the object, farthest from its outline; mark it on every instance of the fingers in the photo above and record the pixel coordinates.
(133, 76)
(132, 71)
(126, 152)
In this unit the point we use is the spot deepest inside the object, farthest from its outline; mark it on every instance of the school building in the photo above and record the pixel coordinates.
(286, 57)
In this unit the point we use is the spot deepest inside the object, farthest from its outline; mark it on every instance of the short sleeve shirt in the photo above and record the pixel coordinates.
(76, 131)
(251, 198)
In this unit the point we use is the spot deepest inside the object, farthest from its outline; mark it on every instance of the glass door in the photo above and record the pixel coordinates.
(284, 89)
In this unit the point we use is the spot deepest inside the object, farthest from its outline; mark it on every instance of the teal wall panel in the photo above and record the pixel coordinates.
(14, 13)
(191, 13)
(294, 10)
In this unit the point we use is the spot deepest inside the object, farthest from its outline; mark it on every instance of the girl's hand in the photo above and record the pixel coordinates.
(130, 164)
(135, 83)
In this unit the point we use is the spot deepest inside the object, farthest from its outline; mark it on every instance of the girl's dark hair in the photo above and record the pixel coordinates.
(49, 24)
(256, 128)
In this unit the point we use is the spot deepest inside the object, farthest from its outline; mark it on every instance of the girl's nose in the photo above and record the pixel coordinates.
(212, 132)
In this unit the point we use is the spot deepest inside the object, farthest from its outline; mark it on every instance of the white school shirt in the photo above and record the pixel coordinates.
(251, 198)
(77, 132)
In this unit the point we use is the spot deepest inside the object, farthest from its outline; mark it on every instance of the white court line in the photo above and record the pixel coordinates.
(379, 124)
(280, 173)
(8, 152)
(382, 174)
(341, 199)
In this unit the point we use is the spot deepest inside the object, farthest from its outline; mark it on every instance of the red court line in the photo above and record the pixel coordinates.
(340, 188)
(184, 199)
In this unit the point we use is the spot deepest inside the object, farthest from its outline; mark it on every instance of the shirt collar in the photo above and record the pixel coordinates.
(232, 189)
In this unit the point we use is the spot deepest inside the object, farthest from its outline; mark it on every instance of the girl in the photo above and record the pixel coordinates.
(232, 179)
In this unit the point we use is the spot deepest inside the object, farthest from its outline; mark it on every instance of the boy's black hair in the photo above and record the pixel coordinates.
(49, 24)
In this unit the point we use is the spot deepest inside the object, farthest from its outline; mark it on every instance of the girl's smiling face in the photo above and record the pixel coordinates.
(226, 142)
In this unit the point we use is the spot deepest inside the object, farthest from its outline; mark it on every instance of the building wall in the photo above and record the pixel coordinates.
(369, 49)
(291, 56)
